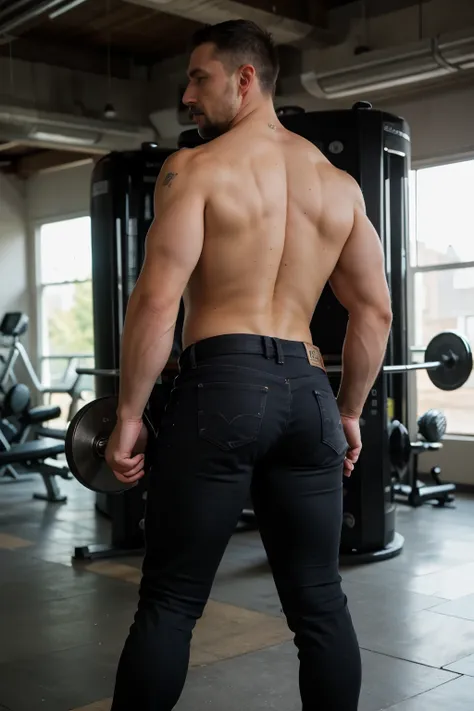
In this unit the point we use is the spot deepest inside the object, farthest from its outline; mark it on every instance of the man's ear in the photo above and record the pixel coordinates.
(246, 78)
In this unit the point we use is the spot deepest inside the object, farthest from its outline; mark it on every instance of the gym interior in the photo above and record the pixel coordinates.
(90, 107)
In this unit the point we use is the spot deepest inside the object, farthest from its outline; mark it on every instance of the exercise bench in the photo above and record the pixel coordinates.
(37, 456)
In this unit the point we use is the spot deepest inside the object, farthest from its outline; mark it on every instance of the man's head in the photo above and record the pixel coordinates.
(231, 63)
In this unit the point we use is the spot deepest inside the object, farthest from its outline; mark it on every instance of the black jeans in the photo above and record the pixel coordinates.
(248, 415)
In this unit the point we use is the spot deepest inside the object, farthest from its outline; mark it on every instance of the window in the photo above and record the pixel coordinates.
(65, 301)
(442, 261)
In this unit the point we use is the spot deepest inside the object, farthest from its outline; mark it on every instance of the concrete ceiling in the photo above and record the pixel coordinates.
(115, 35)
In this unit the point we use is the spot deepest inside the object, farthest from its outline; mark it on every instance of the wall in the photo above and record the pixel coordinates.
(13, 253)
(14, 283)
(440, 123)
(59, 193)
(64, 91)
(455, 460)
(13, 258)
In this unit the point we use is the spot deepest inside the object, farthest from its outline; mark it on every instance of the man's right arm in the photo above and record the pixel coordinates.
(359, 283)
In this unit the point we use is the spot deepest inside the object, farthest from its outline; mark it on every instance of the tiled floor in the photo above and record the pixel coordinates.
(63, 626)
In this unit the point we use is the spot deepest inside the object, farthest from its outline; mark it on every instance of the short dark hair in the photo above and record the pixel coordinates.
(244, 41)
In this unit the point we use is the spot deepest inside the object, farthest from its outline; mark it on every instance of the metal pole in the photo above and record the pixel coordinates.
(102, 372)
(395, 368)
(114, 373)
(413, 366)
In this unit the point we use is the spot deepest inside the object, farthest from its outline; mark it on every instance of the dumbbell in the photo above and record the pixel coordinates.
(86, 441)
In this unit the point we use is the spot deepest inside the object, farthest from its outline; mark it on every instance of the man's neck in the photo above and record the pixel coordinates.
(263, 112)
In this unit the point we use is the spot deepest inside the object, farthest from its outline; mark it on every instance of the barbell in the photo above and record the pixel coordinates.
(448, 362)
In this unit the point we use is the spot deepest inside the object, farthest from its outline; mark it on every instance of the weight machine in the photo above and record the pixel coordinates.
(13, 326)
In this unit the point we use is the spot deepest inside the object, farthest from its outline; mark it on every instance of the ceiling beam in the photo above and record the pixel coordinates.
(48, 161)
(8, 145)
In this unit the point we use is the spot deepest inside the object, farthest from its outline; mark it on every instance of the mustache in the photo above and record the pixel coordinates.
(195, 112)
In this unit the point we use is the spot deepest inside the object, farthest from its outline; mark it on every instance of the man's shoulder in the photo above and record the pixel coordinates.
(322, 164)
(179, 159)
(340, 180)
(190, 164)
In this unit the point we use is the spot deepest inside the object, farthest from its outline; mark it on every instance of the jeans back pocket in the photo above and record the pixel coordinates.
(332, 432)
(230, 414)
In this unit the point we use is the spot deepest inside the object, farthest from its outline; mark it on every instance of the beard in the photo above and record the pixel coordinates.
(209, 130)
(212, 128)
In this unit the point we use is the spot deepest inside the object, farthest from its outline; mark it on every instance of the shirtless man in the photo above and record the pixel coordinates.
(249, 227)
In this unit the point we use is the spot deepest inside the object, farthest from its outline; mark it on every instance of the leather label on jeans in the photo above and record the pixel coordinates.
(314, 355)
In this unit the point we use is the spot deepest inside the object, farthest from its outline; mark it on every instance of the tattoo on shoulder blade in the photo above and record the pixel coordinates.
(272, 126)
(169, 177)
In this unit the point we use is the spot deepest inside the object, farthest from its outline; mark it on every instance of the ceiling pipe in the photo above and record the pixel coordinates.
(33, 126)
(396, 67)
(14, 8)
(28, 15)
(62, 10)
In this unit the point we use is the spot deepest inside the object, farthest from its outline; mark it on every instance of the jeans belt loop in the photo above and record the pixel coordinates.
(192, 356)
(279, 351)
(266, 347)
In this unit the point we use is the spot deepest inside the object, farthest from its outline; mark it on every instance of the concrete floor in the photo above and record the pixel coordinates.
(63, 626)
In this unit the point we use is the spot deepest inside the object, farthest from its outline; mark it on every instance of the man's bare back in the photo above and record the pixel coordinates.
(276, 219)
(249, 228)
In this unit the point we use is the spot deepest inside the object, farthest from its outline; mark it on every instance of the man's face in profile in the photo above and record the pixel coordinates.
(212, 94)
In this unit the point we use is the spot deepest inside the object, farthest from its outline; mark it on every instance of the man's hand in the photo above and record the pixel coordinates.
(125, 450)
(351, 429)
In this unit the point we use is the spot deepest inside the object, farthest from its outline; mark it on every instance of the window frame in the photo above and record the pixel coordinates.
(37, 337)
(411, 276)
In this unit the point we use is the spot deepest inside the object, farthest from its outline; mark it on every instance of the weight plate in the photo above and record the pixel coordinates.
(399, 445)
(93, 424)
(456, 370)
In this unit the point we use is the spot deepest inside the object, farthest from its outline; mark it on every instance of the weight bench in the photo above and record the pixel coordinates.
(416, 492)
(16, 405)
(38, 456)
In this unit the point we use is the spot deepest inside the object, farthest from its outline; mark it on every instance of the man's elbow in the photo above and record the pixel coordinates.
(385, 314)
(382, 318)
(160, 308)
(380, 313)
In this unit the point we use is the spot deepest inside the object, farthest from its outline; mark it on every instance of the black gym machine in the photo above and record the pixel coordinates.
(374, 147)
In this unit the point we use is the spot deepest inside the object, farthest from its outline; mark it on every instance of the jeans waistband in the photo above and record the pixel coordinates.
(243, 343)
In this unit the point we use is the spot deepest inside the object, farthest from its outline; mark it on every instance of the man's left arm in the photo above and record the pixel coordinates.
(173, 247)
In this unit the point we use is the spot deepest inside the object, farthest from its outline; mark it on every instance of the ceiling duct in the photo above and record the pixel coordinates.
(34, 127)
(409, 65)
(283, 29)
(15, 19)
